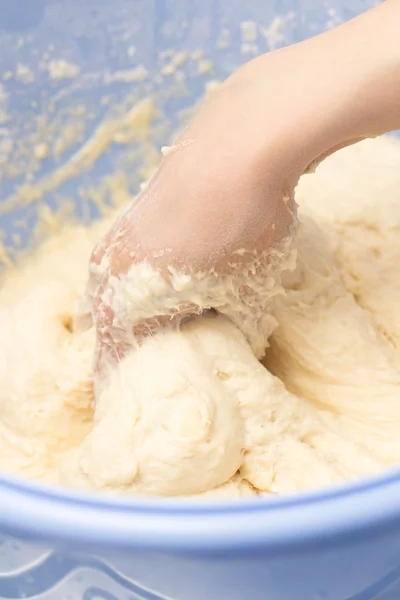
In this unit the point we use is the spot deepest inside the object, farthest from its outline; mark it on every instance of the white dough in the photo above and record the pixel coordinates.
(193, 412)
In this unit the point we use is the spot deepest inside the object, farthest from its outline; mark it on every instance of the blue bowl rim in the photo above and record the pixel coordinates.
(363, 508)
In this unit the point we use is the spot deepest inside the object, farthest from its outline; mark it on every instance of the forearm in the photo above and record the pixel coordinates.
(365, 58)
(312, 98)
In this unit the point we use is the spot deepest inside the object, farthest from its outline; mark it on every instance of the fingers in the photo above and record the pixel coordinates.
(109, 347)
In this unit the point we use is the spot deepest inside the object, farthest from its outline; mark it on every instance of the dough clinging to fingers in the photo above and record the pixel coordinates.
(221, 206)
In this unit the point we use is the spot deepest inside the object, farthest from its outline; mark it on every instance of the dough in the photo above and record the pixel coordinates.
(194, 412)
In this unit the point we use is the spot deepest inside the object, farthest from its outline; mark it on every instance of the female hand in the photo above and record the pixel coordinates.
(219, 213)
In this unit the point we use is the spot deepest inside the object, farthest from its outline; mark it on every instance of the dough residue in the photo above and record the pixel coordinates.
(194, 412)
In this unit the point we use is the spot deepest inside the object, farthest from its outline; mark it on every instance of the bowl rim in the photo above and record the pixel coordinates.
(34, 510)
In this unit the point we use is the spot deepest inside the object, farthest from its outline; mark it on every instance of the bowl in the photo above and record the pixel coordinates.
(75, 72)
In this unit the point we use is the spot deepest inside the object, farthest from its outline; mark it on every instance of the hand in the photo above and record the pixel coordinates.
(215, 214)
(213, 207)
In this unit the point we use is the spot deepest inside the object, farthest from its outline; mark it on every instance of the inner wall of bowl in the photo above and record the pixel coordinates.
(90, 92)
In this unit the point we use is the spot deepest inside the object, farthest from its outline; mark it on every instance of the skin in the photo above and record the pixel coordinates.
(229, 181)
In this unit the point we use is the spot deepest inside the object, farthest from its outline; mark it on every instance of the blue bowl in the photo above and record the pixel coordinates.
(341, 544)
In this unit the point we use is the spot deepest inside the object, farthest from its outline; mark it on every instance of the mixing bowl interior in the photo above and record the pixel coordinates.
(123, 77)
